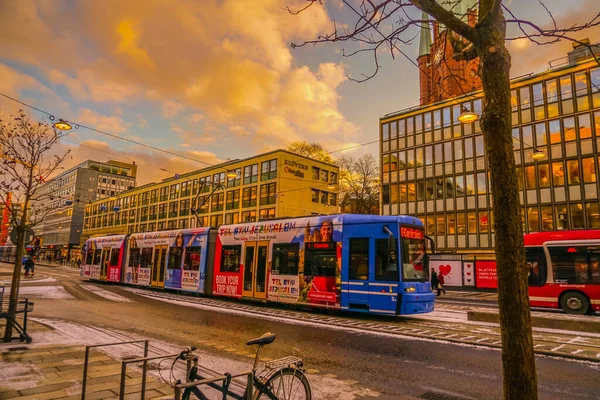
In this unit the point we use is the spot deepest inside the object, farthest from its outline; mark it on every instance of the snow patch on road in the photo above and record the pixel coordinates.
(45, 292)
(19, 376)
(105, 293)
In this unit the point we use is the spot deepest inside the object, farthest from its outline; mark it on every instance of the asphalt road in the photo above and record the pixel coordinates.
(390, 366)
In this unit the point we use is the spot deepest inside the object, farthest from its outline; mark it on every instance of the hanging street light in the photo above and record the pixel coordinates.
(538, 154)
(62, 125)
(467, 117)
(232, 174)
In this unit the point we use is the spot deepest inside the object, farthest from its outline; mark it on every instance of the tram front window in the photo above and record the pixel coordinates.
(413, 254)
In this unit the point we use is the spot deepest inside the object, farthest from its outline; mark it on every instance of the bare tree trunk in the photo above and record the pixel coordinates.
(16, 281)
(518, 359)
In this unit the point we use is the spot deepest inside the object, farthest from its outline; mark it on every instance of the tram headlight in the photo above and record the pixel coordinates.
(410, 289)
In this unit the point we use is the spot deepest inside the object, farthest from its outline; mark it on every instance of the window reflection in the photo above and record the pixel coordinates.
(577, 219)
(451, 222)
(460, 223)
(558, 173)
(470, 184)
(530, 178)
(520, 178)
(547, 218)
(394, 194)
(562, 220)
(527, 136)
(554, 130)
(412, 194)
(533, 219)
(458, 153)
(449, 187)
(385, 131)
(593, 215)
(469, 148)
(524, 97)
(471, 222)
(516, 139)
(460, 186)
(585, 127)
(429, 189)
(588, 167)
(569, 129)
(479, 148)
(481, 183)
(402, 195)
(551, 91)
(428, 155)
(441, 225)
(574, 173)
(566, 91)
(540, 135)
(544, 174)
(483, 222)
(538, 94)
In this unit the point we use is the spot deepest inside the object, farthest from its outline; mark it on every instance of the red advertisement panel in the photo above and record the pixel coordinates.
(485, 272)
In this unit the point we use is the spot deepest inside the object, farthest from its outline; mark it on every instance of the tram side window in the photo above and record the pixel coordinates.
(386, 260)
(575, 264)
(359, 259)
(175, 255)
(192, 259)
(89, 256)
(230, 258)
(146, 257)
(97, 255)
(320, 259)
(134, 258)
(114, 256)
(285, 258)
(536, 264)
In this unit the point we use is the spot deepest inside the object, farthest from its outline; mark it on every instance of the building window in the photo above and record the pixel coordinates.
(250, 174)
(315, 195)
(154, 196)
(266, 213)
(249, 197)
(162, 211)
(172, 224)
(547, 218)
(233, 182)
(267, 194)
(249, 216)
(184, 207)
(574, 173)
(186, 188)
(173, 209)
(217, 202)
(219, 179)
(163, 193)
(183, 224)
(268, 170)
(232, 218)
(333, 199)
(324, 197)
(174, 191)
(216, 220)
(588, 167)
(152, 210)
(233, 200)
(324, 175)
(315, 173)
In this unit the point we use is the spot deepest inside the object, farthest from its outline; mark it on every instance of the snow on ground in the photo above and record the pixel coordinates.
(19, 376)
(67, 333)
(43, 292)
(105, 293)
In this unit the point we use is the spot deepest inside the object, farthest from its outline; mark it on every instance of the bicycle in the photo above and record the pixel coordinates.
(281, 379)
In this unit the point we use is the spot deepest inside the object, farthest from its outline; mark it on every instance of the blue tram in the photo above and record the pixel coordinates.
(363, 263)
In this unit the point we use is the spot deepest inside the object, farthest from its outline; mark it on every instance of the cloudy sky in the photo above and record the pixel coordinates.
(215, 79)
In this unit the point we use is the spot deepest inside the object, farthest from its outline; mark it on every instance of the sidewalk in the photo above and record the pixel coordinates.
(49, 372)
(468, 295)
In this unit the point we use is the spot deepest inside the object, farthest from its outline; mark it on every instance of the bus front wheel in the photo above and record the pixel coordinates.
(575, 303)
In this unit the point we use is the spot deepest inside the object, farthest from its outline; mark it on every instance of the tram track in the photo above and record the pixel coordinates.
(574, 346)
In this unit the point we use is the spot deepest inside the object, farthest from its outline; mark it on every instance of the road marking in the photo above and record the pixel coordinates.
(558, 348)
(108, 295)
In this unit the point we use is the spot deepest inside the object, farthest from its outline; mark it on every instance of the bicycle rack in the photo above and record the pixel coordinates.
(228, 378)
(4, 314)
(123, 366)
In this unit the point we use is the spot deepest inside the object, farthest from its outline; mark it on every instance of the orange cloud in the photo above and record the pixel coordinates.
(113, 124)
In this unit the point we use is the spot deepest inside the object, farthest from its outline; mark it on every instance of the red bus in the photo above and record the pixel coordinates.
(564, 270)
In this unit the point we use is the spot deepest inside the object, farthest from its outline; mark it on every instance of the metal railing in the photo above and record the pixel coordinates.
(123, 367)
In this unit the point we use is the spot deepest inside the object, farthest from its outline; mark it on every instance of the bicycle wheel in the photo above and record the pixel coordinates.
(288, 384)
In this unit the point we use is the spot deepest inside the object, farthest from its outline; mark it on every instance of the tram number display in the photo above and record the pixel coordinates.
(411, 233)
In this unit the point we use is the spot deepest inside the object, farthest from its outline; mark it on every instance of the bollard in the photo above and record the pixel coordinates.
(144, 369)
(85, 367)
(123, 373)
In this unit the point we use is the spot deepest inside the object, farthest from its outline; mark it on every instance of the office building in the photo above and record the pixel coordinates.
(434, 167)
(269, 185)
(66, 195)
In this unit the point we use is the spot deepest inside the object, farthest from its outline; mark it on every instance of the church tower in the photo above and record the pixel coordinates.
(440, 76)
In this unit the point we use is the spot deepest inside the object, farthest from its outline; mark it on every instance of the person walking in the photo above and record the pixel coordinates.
(29, 266)
(434, 281)
(441, 283)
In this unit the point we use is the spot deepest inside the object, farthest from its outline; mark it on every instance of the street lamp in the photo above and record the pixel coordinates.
(538, 154)
(232, 174)
(331, 186)
(62, 125)
(467, 117)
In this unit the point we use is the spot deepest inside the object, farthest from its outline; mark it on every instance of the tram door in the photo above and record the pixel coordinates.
(104, 260)
(255, 270)
(158, 267)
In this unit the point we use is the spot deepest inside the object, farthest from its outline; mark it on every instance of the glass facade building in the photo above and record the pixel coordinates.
(434, 167)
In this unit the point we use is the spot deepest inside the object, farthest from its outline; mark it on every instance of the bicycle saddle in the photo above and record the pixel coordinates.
(264, 339)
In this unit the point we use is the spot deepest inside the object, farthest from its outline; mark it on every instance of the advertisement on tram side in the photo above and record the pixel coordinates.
(303, 262)
(192, 274)
(142, 257)
(102, 251)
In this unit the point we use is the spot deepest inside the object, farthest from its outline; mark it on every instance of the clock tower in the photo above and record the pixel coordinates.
(440, 76)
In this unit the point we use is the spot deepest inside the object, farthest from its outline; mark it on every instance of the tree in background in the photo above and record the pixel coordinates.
(358, 181)
(384, 24)
(25, 165)
(359, 185)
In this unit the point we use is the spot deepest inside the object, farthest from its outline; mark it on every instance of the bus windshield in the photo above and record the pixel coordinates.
(413, 254)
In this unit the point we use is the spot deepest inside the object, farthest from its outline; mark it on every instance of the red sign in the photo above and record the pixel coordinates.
(321, 245)
(323, 296)
(485, 273)
(411, 233)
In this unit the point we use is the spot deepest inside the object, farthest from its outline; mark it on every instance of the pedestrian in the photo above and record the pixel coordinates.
(29, 266)
(441, 283)
(434, 281)
(79, 263)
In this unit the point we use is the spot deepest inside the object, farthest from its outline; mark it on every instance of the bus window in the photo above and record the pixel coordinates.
(114, 256)
(230, 258)
(359, 259)
(285, 258)
(320, 259)
(571, 264)
(89, 256)
(536, 264)
(386, 260)
(175, 254)
(192, 259)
